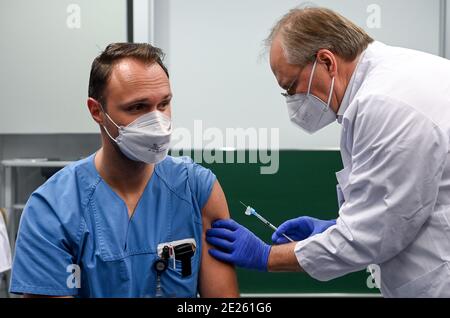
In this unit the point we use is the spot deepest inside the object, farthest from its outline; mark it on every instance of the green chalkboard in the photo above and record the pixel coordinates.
(305, 184)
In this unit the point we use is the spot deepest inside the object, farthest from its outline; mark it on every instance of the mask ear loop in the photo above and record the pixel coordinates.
(331, 88)
(311, 76)
(331, 94)
(104, 127)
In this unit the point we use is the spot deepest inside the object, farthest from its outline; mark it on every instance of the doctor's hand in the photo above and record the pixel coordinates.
(300, 228)
(237, 245)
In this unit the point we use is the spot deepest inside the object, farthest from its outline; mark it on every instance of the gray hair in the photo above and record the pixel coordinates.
(306, 31)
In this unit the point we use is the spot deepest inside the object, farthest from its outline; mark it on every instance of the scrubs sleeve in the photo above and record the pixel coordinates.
(398, 158)
(201, 181)
(43, 261)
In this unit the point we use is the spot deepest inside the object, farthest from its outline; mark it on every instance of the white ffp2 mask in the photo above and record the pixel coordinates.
(308, 111)
(146, 139)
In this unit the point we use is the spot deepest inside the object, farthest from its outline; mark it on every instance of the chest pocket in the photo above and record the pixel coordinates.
(343, 181)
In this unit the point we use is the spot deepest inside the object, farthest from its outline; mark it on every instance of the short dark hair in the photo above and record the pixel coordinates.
(103, 64)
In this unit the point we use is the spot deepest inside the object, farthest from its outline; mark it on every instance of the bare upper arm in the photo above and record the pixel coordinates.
(217, 279)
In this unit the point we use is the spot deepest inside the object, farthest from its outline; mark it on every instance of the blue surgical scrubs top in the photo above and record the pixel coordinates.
(76, 238)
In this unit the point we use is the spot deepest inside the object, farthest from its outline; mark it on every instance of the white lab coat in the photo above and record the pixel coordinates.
(5, 250)
(395, 119)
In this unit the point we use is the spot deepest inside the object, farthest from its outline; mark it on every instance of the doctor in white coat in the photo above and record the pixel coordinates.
(394, 108)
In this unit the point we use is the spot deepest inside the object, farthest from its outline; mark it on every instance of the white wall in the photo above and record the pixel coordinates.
(46, 50)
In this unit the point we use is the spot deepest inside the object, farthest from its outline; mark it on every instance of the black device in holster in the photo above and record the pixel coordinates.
(184, 253)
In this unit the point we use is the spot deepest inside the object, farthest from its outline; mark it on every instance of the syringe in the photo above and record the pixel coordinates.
(251, 211)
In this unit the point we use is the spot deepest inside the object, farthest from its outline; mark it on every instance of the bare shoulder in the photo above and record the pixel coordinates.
(217, 279)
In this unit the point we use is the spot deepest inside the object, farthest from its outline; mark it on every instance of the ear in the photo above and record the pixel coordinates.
(95, 110)
(327, 58)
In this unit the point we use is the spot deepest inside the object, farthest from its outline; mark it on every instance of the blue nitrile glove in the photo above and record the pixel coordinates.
(237, 245)
(300, 228)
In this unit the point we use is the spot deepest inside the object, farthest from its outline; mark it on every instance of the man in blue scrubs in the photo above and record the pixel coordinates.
(128, 221)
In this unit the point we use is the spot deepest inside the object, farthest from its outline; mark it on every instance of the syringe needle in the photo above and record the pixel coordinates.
(243, 204)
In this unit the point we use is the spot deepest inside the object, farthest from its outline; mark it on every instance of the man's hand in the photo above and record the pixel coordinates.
(237, 245)
(300, 228)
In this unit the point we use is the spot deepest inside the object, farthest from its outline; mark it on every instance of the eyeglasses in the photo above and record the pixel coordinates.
(292, 87)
